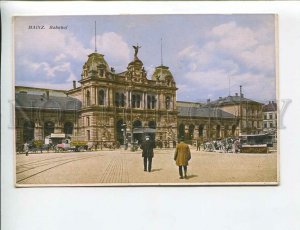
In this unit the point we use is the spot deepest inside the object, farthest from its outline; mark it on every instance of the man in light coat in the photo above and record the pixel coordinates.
(182, 157)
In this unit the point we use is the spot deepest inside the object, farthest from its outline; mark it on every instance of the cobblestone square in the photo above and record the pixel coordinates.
(120, 167)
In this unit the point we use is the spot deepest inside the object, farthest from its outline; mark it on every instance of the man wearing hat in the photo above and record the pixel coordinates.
(147, 147)
(182, 157)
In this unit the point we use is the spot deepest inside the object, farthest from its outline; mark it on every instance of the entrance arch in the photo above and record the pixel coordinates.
(48, 128)
(28, 131)
(181, 129)
(218, 131)
(137, 136)
(201, 130)
(120, 129)
(191, 131)
(152, 125)
(68, 128)
(233, 128)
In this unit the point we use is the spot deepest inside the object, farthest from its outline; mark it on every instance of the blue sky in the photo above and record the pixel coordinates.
(204, 52)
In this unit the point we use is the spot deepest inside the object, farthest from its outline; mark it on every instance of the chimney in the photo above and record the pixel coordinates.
(208, 100)
(236, 94)
(74, 84)
(220, 98)
(47, 93)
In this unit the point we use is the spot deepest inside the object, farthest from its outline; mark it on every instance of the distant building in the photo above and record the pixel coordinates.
(270, 117)
(200, 121)
(248, 112)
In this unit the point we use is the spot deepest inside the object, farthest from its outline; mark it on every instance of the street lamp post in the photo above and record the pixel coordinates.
(124, 135)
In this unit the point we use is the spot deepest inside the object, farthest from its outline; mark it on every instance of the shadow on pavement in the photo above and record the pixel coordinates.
(155, 170)
(191, 176)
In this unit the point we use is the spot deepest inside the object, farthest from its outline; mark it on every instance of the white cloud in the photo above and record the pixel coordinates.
(244, 54)
(114, 47)
(60, 57)
(48, 69)
(58, 44)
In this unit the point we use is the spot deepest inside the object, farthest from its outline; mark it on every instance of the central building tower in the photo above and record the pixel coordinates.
(122, 107)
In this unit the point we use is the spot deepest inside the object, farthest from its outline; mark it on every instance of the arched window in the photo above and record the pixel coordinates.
(88, 98)
(101, 97)
(137, 124)
(28, 131)
(168, 102)
(152, 124)
(68, 128)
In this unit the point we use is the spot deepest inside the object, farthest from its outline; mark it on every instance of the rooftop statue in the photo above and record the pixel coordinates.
(136, 50)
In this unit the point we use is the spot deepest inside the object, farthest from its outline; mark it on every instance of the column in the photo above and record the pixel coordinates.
(107, 97)
(96, 95)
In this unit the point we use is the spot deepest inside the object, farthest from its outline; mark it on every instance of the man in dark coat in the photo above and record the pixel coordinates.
(147, 147)
(182, 157)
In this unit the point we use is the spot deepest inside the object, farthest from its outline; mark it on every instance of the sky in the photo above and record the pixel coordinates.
(210, 56)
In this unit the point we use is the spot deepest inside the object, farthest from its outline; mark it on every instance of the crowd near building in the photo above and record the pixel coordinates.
(108, 107)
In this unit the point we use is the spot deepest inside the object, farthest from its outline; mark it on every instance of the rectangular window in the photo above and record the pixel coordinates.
(88, 121)
(148, 102)
(270, 116)
(88, 134)
(265, 117)
(271, 125)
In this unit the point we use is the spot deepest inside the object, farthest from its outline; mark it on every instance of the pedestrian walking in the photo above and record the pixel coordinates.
(147, 147)
(182, 157)
(26, 148)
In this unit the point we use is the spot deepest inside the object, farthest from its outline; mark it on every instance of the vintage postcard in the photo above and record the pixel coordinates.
(134, 100)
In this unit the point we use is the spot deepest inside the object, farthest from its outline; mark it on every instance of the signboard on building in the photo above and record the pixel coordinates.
(57, 135)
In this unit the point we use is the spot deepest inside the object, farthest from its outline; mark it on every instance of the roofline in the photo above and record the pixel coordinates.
(46, 89)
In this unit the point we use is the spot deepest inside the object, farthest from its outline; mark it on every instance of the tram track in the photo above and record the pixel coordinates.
(52, 165)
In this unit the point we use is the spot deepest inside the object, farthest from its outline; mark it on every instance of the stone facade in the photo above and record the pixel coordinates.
(248, 111)
(115, 105)
(201, 121)
(270, 118)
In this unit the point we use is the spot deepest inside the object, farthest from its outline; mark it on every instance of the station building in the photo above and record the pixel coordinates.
(108, 107)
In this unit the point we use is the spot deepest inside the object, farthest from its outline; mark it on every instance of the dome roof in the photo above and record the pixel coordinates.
(162, 73)
(94, 60)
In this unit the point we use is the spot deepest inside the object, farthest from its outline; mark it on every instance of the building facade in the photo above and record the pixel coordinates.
(249, 112)
(270, 118)
(110, 107)
(200, 121)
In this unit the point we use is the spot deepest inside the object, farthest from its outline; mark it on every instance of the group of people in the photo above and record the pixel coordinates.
(225, 145)
(182, 156)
